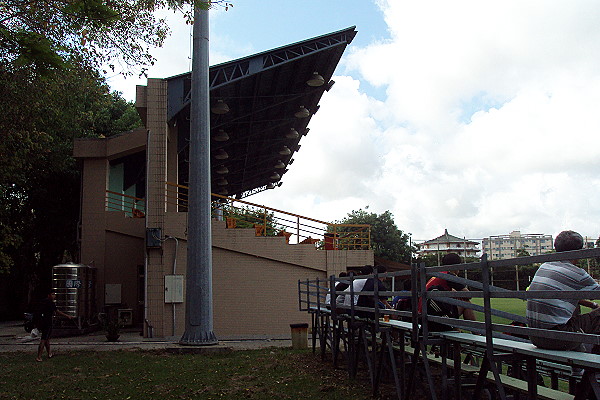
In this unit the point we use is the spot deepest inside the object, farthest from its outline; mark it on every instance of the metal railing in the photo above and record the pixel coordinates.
(269, 221)
(132, 206)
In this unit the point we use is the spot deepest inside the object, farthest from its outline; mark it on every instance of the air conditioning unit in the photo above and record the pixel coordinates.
(125, 316)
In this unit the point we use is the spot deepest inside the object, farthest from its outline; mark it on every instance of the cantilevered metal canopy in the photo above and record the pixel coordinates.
(253, 143)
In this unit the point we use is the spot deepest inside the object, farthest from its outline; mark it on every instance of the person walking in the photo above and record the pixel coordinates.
(47, 308)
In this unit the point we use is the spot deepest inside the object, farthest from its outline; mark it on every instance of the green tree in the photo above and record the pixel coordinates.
(39, 181)
(387, 241)
(49, 33)
(522, 252)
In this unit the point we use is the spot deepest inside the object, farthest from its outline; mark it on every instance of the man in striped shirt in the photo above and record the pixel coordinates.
(562, 314)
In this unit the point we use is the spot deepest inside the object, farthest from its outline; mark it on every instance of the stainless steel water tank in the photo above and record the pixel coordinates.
(75, 288)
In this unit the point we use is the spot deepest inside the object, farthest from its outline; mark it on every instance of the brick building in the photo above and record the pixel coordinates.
(134, 221)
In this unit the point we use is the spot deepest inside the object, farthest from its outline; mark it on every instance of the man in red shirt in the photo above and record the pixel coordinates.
(441, 309)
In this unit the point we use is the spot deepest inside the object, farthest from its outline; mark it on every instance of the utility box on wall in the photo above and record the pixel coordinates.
(153, 236)
(173, 288)
(112, 293)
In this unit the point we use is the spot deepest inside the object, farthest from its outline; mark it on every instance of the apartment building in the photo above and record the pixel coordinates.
(514, 244)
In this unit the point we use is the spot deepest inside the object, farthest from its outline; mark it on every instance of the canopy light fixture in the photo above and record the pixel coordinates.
(220, 108)
(221, 136)
(223, 191)
(316, 80)
(292, 134)
(275, 177)
(285, 151)
(221, 170)
(279, 165)
(302, 113)
(221, 155)
(222, 182)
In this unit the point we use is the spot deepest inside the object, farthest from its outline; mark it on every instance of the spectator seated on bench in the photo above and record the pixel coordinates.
(339, 287)
(441, 309)
(366, 285)
(562, 314)
(402, 302)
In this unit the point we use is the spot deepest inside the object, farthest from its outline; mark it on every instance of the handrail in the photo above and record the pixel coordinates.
(272, 221)
(131, 205)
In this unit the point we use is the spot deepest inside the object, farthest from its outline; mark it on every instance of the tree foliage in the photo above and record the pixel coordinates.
(387, 241)
(48, 33)
(39, 181)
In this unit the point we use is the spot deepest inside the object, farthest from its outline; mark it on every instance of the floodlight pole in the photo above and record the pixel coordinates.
(198, 305)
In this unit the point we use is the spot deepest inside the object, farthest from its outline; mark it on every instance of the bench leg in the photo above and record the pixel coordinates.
(588, 383)
(488, 365)
(531, 378)
(315, 329)
(420, 350)
(335, 343)
(387, 347)
(324, 335)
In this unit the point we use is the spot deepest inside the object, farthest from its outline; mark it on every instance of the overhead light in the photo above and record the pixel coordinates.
(275, 177)
(222, 182)
(221, 136)
(316, 80)
(279, 165)
(221, 155)
(292, 134)
(302, 113)
(285, 151)
(220, 107)
(221, 170)
(223, 191)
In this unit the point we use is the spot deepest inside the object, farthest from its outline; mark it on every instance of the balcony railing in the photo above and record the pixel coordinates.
(268, 221)
(132, 206)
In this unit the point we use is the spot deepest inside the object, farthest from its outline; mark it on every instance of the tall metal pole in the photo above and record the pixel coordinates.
(199, 307)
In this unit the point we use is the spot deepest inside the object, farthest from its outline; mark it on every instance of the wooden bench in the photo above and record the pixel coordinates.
(496, 346)
(529, 353)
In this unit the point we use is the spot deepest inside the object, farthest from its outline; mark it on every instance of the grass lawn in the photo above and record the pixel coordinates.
(514, 306)
(254, 374)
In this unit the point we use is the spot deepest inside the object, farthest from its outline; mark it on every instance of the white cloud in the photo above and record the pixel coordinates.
(490, 122)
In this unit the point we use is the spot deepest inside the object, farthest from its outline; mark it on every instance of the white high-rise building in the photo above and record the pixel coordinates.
(511, 245)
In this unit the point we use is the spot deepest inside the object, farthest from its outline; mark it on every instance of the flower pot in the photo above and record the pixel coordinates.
(113, 337)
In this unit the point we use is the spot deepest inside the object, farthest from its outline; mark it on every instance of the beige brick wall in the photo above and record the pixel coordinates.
(255, 281)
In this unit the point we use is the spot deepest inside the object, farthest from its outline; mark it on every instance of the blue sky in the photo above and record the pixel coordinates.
(479, 116)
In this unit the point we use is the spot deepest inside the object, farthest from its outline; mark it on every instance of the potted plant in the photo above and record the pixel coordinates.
(112, 330)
